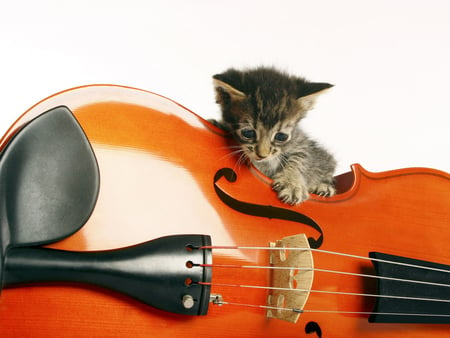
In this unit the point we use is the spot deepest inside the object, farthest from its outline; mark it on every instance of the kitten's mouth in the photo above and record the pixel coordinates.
(262, 159)
(252, 156)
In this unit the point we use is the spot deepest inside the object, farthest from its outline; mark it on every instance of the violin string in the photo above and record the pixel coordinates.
(215, 247)
(268, 307)
(326, 292)
(322, 270)
(329, 271)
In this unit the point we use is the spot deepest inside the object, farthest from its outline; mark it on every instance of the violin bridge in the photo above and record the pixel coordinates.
(291, 283)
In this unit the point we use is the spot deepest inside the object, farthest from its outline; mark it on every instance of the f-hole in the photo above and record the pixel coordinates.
(313, 327)
(264, 210)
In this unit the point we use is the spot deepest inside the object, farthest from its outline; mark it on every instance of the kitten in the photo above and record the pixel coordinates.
(262, 108)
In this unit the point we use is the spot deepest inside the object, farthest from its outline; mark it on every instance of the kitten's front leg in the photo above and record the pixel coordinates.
(290, 186)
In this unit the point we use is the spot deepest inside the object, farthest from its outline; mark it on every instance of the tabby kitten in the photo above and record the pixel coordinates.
(262, 108)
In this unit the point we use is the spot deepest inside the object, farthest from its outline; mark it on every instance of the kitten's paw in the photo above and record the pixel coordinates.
(290, 192)
(324, 189)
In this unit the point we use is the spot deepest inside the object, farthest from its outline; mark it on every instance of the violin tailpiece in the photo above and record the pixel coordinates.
(290, 284)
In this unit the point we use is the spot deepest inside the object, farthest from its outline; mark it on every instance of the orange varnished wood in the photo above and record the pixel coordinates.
(157, 163)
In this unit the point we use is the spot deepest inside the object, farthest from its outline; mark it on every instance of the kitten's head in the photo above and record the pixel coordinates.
(262, 108)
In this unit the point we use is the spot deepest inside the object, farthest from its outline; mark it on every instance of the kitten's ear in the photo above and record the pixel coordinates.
(226, 93)
(309, 93)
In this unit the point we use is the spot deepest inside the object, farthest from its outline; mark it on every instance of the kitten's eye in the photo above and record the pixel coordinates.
(248, 134)
(281, 137)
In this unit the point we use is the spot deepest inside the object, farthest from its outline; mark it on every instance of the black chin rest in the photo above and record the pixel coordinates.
(49, 182)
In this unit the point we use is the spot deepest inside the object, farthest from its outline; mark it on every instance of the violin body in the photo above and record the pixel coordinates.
(166, 171)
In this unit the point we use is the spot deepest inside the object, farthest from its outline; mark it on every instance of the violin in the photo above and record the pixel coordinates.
(124, 214)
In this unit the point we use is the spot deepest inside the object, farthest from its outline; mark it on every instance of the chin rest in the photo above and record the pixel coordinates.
(49, 182)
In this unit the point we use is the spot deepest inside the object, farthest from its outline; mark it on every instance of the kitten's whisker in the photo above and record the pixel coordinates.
(240, 161)
(283, 161)
(231, 154)
(235, 152)
(230, 147)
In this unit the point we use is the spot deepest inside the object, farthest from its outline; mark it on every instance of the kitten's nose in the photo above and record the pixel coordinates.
(262, 153)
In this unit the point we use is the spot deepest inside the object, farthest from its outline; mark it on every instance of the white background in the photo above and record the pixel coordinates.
(389, 61)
